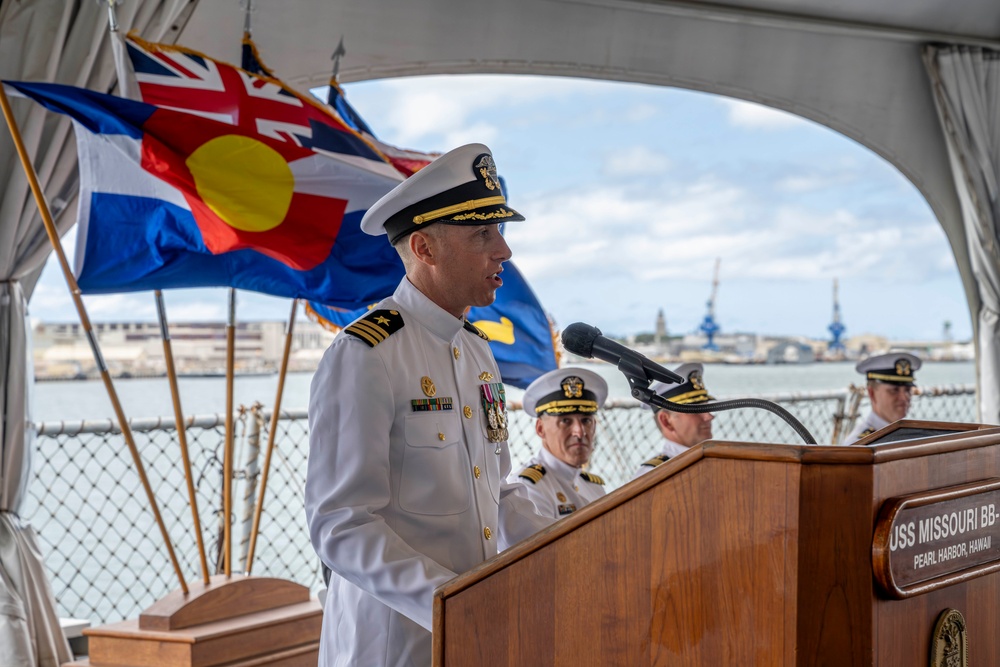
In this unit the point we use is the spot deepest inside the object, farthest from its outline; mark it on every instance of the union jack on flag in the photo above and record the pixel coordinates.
(174, 77)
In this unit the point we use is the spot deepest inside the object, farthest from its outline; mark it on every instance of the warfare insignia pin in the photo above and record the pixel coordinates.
(487, 168)
(494, 399)
(572, 387)
(427, 385)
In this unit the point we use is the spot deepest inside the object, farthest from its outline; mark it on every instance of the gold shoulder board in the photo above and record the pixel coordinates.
(469, 326)
(655, 461)
(376, 326)
(592, 478)
(533, 473)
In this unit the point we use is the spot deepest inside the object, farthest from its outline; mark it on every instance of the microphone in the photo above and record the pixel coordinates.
(587, 341)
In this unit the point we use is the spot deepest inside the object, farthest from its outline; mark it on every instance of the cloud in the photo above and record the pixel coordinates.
(635, 160)
(641, 112)
(678, 232)
(749, 115)
(418, 109)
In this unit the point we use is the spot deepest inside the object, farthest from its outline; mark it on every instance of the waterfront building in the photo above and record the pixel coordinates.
(135, 349)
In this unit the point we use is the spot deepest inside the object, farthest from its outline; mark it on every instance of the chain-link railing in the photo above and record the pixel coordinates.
(105, 555)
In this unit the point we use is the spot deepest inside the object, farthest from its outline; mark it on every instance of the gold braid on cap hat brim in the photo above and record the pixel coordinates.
(891, 378)
(469, 205)
(696, 396)
(562, 407)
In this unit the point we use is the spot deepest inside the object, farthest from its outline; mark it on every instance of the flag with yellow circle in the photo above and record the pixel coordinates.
(170, 199)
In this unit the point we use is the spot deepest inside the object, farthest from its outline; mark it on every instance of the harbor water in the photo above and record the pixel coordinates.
(150, 397)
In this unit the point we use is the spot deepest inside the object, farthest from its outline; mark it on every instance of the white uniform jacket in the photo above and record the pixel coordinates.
(871, 423)
(401, 496)
(670, 450)
(557, 488)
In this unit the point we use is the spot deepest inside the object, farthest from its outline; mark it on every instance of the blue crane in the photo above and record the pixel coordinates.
(836, 328)
(709, 327)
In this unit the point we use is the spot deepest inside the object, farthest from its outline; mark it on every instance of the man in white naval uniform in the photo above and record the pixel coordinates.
(890, 389)
(407, 448)
(566, 402)
(679, 430)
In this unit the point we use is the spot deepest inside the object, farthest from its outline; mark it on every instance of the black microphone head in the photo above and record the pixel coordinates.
(579, 338)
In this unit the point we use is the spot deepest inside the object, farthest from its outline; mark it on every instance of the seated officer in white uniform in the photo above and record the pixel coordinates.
(890, 388)
(679, 430)
(406, 483)
(566, 402)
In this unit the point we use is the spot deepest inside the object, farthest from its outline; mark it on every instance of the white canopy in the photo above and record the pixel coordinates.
(855, 66)
(861, 67)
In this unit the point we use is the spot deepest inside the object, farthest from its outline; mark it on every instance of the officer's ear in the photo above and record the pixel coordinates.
(422, 247)
(539, 430)
(663, 419)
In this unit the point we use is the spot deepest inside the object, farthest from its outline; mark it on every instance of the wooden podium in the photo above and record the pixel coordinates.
(231, 622)
(745, 554)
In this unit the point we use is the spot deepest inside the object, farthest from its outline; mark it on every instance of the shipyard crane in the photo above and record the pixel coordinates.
(709, 327)
(836, 328)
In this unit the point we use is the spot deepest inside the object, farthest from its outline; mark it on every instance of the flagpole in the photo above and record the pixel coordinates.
(271, 435)
(74, 290)
(227, 461)
(175, 395)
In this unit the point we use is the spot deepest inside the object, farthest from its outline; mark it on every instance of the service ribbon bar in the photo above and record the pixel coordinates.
(431, 404)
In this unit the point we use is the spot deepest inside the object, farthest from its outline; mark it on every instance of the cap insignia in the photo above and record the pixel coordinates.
(903, 367)
(696, 381)
(427, 385)
(572, 387)
(487, 169)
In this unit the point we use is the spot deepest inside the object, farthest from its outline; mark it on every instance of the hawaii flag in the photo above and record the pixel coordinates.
(170, 199)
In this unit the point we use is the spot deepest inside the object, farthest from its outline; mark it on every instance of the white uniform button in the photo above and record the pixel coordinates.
(440, 436)
(456, 352)
(476, 471)
(467, 411)
(487, 533)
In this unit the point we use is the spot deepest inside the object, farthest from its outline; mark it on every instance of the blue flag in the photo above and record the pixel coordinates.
(170, 199)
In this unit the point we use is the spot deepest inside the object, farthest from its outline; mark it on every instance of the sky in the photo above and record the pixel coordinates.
(631, 192)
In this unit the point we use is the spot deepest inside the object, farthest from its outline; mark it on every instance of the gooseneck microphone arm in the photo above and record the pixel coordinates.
(588, 342)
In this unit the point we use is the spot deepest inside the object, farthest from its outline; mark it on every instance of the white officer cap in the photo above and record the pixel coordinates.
(564, 391)
(892, 367)
(692, 390)
(459, 188)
